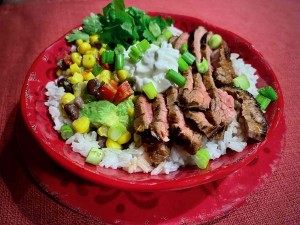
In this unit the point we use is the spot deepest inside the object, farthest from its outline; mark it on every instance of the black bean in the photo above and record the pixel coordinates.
(66, 84)
(101, 141)
(93, 86)
(61, 64)
(79, 102)
(72, 111)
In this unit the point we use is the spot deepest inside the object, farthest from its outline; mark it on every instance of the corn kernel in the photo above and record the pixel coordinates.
(113, 144)
(67, 98)
(58, 73)
(94, 39)
(123, 74)
(102, 79)
(68, 72)
(79, 42)
(88, 76)
(104, 76)
(102, 131)
(92, 51)
(101, 50)
(76, 78)
(76, 58)
(124, 138)
(81, 125)
(75, 68)
(83, 47)
(130, 112)
(88, 61)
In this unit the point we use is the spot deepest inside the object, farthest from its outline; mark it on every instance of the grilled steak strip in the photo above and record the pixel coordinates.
(183, 38)
(158, 152)
(159, 126)
(181, 133)
(223, 70)
(251, 116)
(196, 45)
(143, 114)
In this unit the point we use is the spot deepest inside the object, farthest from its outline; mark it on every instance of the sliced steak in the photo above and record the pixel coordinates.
(200, 121)
(158, 152)
(223, 71)
(172, 40)
(222, 108)
(199, 32)
(180, 132)
(183, 38)
(159, 126)
(251, 116)
(143, 113)
(193, 94)
(208, 76)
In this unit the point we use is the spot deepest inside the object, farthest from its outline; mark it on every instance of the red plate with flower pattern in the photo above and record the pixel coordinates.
(39, 122)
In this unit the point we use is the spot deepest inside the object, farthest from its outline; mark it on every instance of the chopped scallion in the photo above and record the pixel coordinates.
(215, 41)
(143, 46)
(119, 49)
(182, 65)
(167, 34)
(97, 69)
(263, 101)
(135, 54)
(268, 92)
(241, 82)
(188, 57)
(150, 90)
(119, 61)
(175, 77)
(66, 131)
(108, 57)
(202, 67)
(95, 156)
(154, 28)
(183, 48)
(202, 158)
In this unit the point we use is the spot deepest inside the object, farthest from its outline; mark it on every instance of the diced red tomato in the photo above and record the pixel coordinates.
(108, 91)
(67, 59)
(123, 92)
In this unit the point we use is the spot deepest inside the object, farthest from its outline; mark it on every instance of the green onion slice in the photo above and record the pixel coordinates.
(66, 131)
(241, 82)
(182, 65)
(203, 66)
(143, 46)
(175, 77)
(115, 132)
(215, 41)
(135, 54)
(95, 156)
(108, 57)
(188, 57)
(154, 28)
(119, 61)
(150, 90)
(183, 48)
(202, 158)
(263, 101)
(268, 92)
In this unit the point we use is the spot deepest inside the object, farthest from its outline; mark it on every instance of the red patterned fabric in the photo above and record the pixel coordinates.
(30, 26)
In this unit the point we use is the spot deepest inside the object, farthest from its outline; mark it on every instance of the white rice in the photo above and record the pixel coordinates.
(135, 160)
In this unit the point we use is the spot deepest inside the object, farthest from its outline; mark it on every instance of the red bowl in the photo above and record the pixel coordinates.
(39, 122)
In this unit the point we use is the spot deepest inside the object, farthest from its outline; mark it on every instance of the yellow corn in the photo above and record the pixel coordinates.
(113, 144)
(93, 51)
(81, 125)
(123, 74)
(88, 61)
(102, 131)
(88, 76)
(104, 76)
(75, 68)
(79, 42)
(68, 72)
(83, 47)
(124, 138)
(67, 98)
(76, 78)
(102, 49)
(130, 112)
(94, 39)
(58, 72)
(76, 58)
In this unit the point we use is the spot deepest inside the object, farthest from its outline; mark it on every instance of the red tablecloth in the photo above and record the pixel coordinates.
(29, 27)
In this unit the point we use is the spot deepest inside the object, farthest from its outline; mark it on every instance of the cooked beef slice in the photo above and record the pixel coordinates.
(180, 132)
(222, 108)
(252, 118)
(183, 38)
(159, 126)
(143, 113)
(172, 40)
(223, 71)
(200, 121)
(193, 94)
(158, 152)
(199, 32)
(208, 76)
